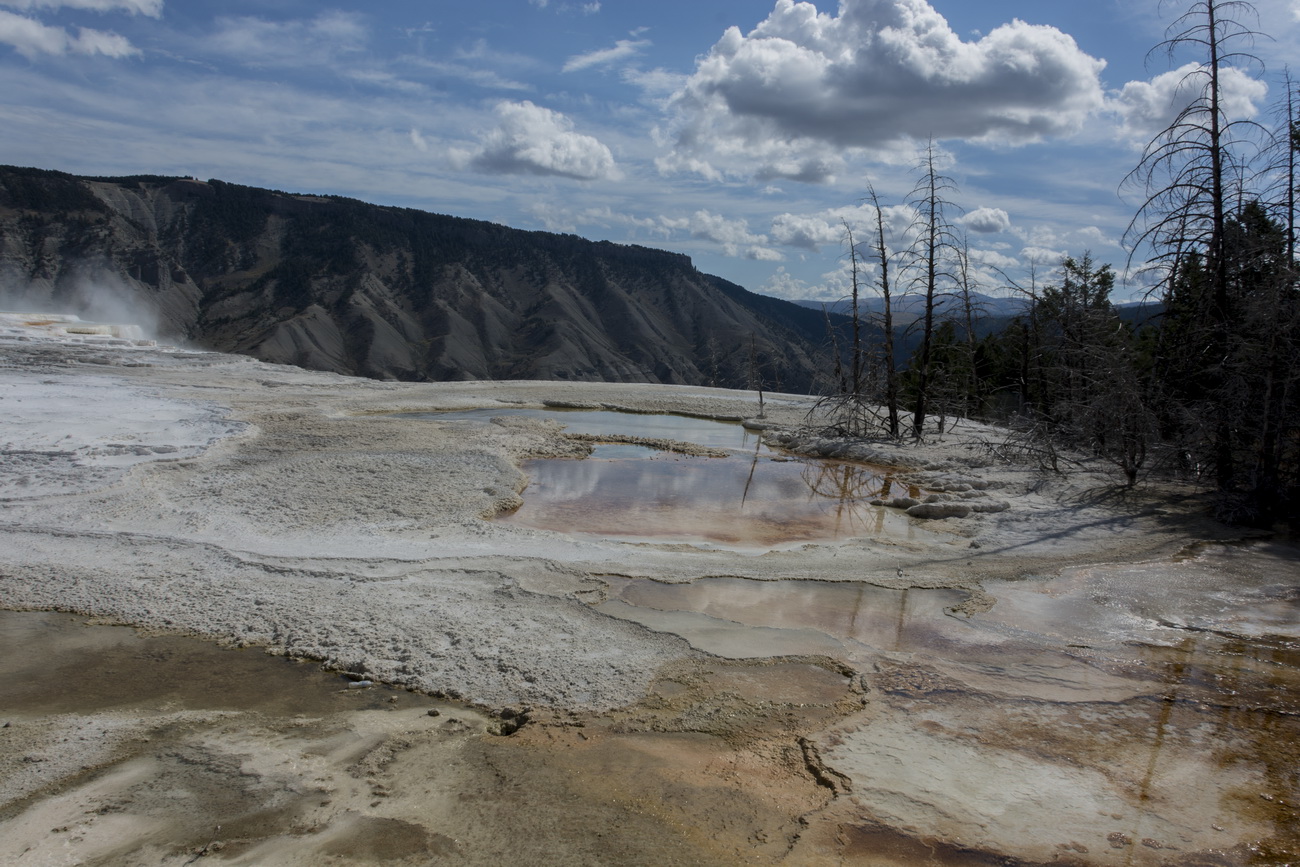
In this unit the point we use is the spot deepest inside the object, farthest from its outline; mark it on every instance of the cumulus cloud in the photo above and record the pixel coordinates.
(732, 234)
(878, 74)
(826, 228)
(806, 231)
(152, 8)
(986, 221)
(657, 83)
(1043, 255)
(31, 38)
(1093, 236)
(530, 139)
(715, 227)
(993, 259)
(623, 49)
(1147, 107)
(783, 284)
(809, 170)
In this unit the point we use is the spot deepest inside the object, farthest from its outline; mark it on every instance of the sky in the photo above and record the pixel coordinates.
(743, 133)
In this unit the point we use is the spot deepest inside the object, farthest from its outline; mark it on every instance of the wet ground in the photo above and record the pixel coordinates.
(1136, 714)
(664, 426)
(1108, 716)
(121, 748)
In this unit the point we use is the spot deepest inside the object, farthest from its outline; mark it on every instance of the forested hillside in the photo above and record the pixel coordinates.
(336, 284)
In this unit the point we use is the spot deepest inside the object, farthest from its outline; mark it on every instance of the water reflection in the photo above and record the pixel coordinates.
(761, 500)
(738, 618)
(756, 498)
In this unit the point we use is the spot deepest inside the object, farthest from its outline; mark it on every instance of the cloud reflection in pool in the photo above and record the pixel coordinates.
(755, 498)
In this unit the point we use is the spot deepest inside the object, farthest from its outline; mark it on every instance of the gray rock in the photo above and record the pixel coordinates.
(940, 510)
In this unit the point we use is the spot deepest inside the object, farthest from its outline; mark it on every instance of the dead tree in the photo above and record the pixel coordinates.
(1186, 173)
(929, 258)
(881, 254)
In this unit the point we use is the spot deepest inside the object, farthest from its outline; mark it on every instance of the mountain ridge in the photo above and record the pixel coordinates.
(333, 283)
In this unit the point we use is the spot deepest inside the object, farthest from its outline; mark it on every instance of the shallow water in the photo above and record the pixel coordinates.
(739, 618)
(54, 663)
(756, 501)
(756, 498)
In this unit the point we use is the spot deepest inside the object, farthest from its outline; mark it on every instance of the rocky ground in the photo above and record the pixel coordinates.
(262, 506)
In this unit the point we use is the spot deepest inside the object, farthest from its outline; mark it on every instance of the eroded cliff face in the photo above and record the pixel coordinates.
(335, 284)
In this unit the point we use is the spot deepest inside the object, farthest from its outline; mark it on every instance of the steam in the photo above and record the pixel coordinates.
(87, 291)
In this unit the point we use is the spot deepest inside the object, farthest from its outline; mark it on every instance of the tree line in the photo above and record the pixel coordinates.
(1207, 386)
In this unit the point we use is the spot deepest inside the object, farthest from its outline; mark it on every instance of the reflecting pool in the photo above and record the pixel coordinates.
(753, 498)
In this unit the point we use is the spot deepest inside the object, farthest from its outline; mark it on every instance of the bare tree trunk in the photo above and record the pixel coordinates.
(935, 238)
(891, 370)
(855, 362)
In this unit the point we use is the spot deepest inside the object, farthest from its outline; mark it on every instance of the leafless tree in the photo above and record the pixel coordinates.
(1188, 173)
(929, 258)
(882, 257)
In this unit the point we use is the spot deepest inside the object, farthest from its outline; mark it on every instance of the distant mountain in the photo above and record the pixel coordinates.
(992, 316)
(910, 307)
(331, 283)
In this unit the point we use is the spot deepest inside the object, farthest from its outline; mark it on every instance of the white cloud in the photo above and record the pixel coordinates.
(1043, 256)
(807, 231)
(561, 218)
(805, 85)
(835, 285)
(732, 234)
(533, 140)
(581, 8)
(783, 284)
(386, 80)
(826, 228)
(1093, 236)
(318, 41)
(656, 83)
(623, 48)
(31, 38)
(485, 78)
(993, 259)
(986, 221)
(763, 254)
(482, 66)
(152, 8)
(1147, 107)
(419, 141)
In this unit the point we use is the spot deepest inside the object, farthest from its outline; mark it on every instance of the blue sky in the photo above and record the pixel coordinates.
(740, 132)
